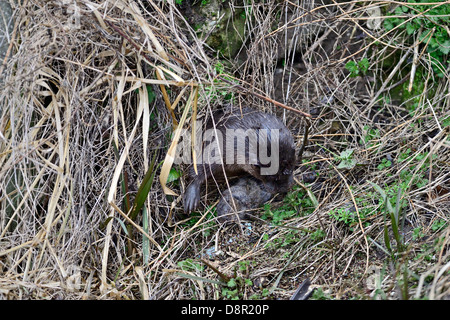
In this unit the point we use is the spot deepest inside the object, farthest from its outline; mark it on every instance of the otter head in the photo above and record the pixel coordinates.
(282, 181)
(278, 173)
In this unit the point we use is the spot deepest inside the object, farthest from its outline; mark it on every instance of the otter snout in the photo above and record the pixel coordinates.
(277, 185)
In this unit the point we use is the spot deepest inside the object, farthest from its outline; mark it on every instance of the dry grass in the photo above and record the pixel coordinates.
(74, 89)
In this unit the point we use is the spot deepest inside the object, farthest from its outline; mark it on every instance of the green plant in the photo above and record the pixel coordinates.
(413, 96)
(204, 3)
(397, 219)
(346, 159)
(174, 175)
(344, 215)
(231, 291)
(265, 292)
(236, 286)
(417, 233)
(288, 238)
(243, 265)
(370, 134)
(295, 203)
(144, 188)
(438, 224)
(414, 173)
(297, 199)
(219, 91)
(317, 235)
(404, 155)
(312, 166)
(134, 209)
(348, 214)
(429, 252)
(357, 68)
(430, 24)
(190, 265)
(233, 287)
(291, 237)
(385, 163)
(318, 294)
(210, 223)
(394, 215)
(445, 121)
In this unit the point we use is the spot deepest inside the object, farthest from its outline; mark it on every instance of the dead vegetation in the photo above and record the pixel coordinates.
(84, 103)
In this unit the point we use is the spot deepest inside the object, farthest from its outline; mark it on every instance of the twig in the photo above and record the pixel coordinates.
(279, 104)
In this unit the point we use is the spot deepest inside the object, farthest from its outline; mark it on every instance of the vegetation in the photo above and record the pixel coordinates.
(427, 23)
(90, 191)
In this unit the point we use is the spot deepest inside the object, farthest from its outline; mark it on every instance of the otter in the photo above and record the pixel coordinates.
(243, 141)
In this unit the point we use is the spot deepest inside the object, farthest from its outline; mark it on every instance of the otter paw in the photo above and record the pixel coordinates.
(191, 199)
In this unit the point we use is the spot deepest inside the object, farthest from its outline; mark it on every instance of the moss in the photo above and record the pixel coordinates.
(229, 36)
(223, 28)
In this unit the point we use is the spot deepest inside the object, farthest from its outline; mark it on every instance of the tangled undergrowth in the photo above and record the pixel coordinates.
(91, 92)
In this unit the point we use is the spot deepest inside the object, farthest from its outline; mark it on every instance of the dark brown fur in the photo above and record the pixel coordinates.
(246, 194)
(248, 119)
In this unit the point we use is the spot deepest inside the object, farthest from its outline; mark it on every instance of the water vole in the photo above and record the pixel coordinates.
(238, 143)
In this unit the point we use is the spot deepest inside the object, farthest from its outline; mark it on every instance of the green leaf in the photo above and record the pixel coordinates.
(424, 36)
(352, 66)
(347, 153)
(445, 47)
(173, 175)
(144, 188)
(378, 189)
(347, 164)
(363, 65)
(188, 276)
(151, 94)
(446, 121)
(190, 265)
(123, 226)
(433, 43)
(388, 24)
(231, 283)
(410, 28)
(387, 241)
(394, 225)
(145, 240)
